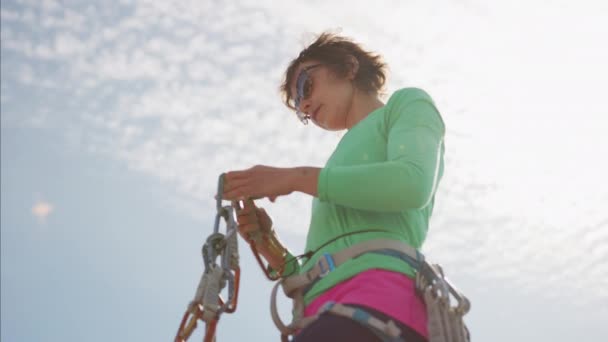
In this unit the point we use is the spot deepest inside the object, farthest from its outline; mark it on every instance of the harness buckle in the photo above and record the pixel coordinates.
(330, 265)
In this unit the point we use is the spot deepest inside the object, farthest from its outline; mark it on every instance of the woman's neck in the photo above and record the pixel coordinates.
(363, 104)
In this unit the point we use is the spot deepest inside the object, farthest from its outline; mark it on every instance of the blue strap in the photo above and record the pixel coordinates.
(330, 265)
(414, 263)
(327, 306)
(362, 317)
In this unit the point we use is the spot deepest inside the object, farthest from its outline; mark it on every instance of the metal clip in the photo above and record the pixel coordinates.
(208, 304)
(433, 275)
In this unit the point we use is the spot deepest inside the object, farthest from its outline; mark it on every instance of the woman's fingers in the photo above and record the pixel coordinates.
(263, 219)
(247, 229)
(247, 214)
(233, 175)
(257, 182)
(240, 190)
(236, 193)
(247, 218)
(243, 207)
(235, 189)
(234, 183)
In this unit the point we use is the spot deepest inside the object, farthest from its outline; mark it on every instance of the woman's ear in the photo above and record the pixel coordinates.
(354, 67)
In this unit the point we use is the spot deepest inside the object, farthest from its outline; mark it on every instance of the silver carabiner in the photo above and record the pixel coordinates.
(446, 287)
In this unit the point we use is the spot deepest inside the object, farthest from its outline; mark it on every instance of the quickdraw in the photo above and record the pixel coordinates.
(208, 304)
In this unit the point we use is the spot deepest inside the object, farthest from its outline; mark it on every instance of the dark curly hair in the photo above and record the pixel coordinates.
(337, 52)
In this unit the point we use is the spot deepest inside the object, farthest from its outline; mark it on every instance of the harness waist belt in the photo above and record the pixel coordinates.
(294, 286)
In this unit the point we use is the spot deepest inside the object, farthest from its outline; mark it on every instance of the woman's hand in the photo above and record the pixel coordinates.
(257, 182)
(255, 226)
(252, 220)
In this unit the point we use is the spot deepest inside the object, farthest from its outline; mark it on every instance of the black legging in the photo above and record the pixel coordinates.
(333, 328)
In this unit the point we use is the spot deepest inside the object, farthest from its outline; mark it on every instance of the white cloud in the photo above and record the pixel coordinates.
(66, 45)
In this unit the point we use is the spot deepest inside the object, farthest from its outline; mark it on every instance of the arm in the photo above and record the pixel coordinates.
(407, 179)
(305, 179)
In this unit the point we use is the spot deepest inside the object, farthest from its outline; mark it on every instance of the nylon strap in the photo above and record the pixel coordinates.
(388, 329)
(323, 265)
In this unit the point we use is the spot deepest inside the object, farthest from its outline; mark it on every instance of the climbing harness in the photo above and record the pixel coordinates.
(445, 321)
(207, 304)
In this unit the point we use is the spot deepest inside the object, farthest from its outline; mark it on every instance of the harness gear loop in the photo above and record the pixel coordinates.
(445, 321)
(207, 304)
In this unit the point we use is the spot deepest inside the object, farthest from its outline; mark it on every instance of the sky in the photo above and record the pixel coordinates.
(117, 118)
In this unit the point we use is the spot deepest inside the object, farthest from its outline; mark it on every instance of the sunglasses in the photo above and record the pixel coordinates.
(303, 91)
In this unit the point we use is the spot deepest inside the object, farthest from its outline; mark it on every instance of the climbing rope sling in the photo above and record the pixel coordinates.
(446, 306)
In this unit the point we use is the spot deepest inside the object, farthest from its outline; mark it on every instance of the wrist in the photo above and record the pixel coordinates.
(304, 179)
(293, 179)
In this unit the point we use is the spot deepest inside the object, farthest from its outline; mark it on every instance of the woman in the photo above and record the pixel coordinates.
(380, 182)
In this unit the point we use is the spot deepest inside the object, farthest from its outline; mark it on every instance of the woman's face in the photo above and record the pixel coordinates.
(328, 98)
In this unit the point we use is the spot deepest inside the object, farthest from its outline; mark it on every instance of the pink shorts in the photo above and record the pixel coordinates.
(391, 293)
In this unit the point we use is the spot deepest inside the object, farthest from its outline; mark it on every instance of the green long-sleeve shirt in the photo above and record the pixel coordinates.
(382, 175)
